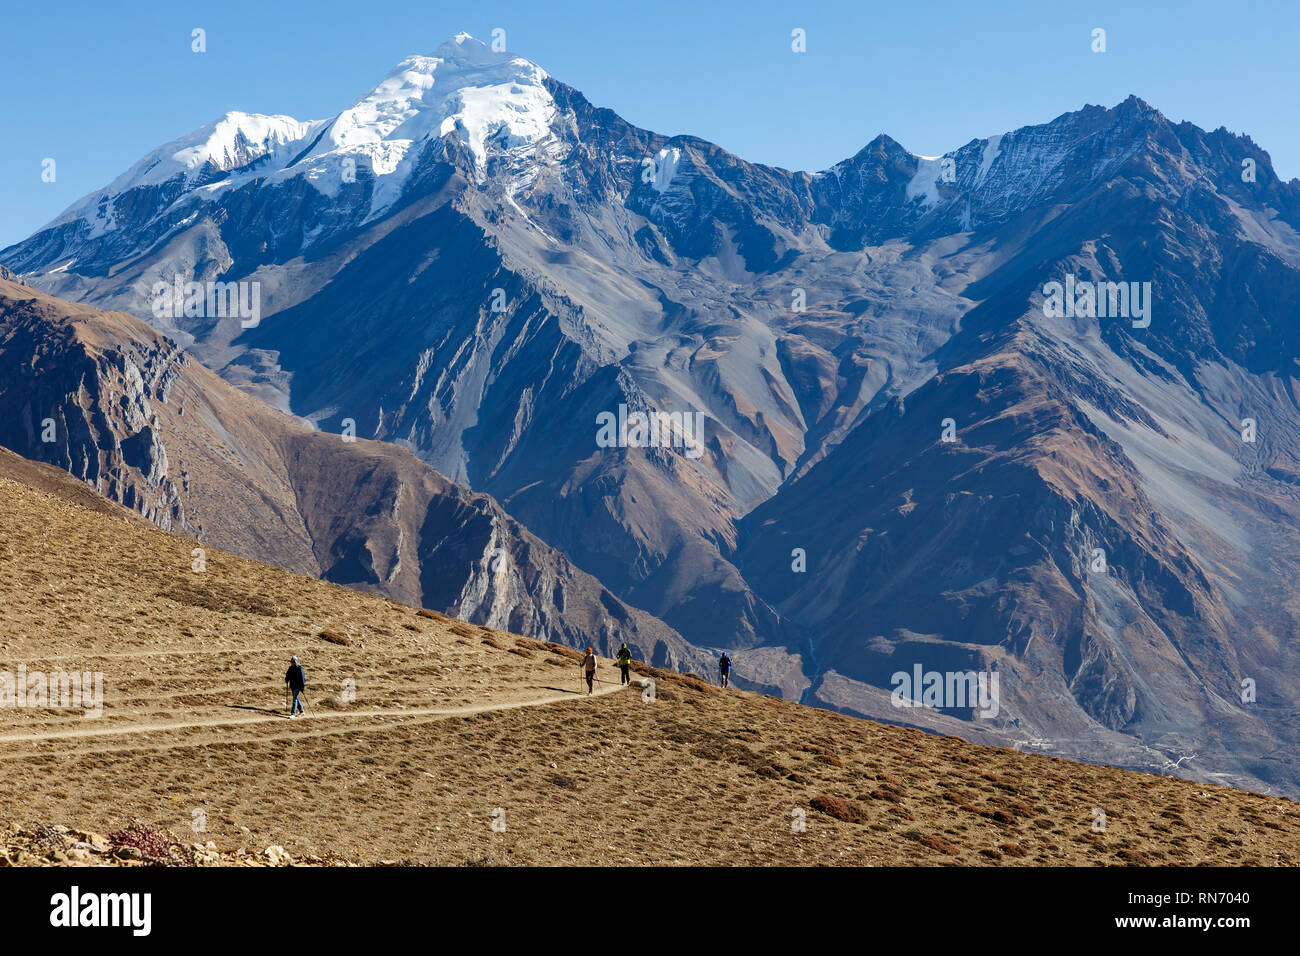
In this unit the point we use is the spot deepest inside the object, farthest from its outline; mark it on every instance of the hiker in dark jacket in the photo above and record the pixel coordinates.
(724, 665)
(295, 678)
(624, 662)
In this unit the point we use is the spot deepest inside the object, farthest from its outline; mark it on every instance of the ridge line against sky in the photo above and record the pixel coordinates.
(96, 87)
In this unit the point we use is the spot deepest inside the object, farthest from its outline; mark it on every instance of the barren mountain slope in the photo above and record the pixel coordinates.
(134, 416)
(425, 732)
(1112, 519)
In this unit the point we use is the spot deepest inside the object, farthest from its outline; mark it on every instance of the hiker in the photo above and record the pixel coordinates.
(624, 663)
(589, 667)
(295, 678)
(724, 665)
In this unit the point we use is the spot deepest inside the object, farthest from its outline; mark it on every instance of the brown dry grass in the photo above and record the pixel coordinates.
(193, 667)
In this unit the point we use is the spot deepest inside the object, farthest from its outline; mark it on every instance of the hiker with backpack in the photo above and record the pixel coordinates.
(295, 679)
(624, 663)
(724, 665)
(589, 668)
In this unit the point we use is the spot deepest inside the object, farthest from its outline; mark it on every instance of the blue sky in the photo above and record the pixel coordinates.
(96, 85)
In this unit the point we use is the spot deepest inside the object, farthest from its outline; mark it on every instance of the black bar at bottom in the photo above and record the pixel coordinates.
(239, 906)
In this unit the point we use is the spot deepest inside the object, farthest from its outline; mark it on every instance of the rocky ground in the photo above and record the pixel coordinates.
(58, 845)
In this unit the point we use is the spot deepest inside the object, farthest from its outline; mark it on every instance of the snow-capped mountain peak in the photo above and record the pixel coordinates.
(236, 140)
(486, 100)
(463, 48)
(464, 89)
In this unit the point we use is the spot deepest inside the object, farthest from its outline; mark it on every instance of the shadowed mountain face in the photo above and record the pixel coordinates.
(478, 264)
(1109, 527)
(106, 398)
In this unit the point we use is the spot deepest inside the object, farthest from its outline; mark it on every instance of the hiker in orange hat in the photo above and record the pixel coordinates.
(589, 668)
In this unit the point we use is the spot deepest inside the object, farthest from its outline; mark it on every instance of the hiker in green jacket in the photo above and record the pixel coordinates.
(624, 663)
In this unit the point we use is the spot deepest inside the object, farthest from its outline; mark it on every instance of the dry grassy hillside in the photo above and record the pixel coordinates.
(453, 722)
